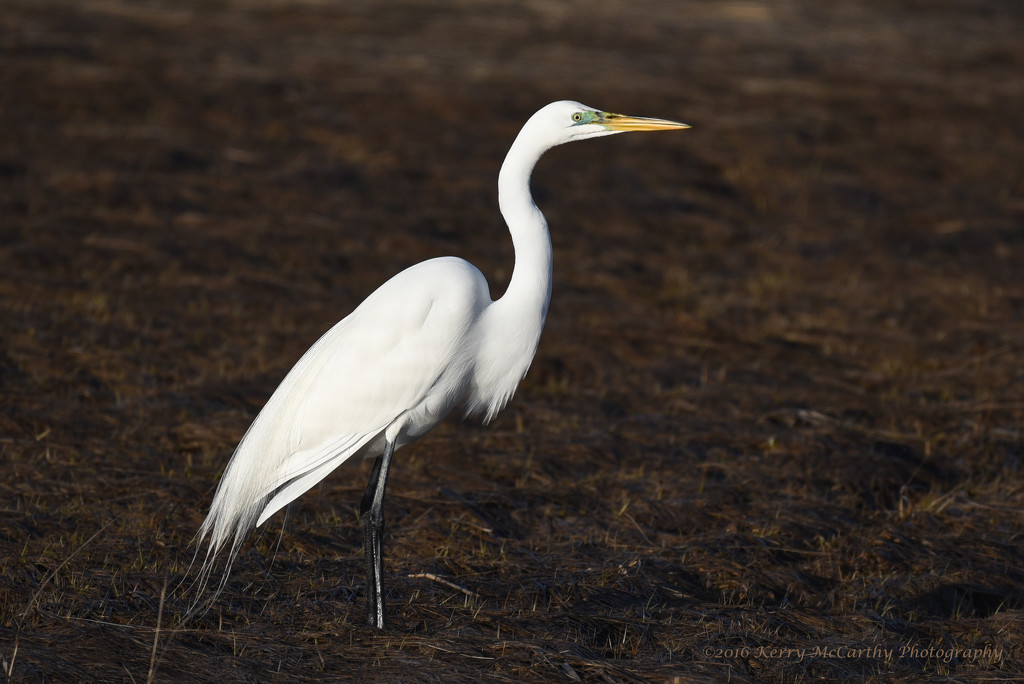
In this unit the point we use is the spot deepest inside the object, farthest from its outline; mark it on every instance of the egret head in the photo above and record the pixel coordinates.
(565, 121)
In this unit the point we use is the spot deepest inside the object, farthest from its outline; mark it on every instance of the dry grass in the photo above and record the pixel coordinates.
(774, 429)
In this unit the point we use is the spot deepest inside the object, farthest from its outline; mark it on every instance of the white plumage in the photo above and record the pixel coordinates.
(427, 340)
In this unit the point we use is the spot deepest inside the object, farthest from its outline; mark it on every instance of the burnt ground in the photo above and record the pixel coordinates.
(778, 403)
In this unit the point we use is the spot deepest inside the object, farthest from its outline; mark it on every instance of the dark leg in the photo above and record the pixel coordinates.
(372, 513)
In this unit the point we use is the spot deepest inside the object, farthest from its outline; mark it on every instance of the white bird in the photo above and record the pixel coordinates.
(424, 342)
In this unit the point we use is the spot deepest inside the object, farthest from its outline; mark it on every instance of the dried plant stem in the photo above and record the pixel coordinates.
(9, 665)
(441, 580)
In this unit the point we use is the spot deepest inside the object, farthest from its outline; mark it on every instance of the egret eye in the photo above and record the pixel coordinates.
(577, 117)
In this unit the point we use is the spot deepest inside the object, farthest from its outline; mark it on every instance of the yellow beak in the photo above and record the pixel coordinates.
(621, 122)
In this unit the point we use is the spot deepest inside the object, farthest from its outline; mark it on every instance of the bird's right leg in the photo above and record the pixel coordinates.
(372, 512)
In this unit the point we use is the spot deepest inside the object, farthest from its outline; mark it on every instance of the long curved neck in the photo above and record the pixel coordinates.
(530, 287)
(510, 327)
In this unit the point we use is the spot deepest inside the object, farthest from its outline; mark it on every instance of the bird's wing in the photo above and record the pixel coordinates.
(400, 350)
(404, 345)
(357, 380)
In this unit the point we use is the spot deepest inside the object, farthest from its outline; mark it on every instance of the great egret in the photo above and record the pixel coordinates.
(427, 340)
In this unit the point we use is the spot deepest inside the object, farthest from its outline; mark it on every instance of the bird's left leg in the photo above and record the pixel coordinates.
(372, 513)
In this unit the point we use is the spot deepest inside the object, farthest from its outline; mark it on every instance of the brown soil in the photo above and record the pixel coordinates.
(778, 403)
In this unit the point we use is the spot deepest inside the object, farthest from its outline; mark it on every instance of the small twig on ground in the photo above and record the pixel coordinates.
(441, 580)
(638, 528)
(156, 635)
(9, 665)
(53, 573)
